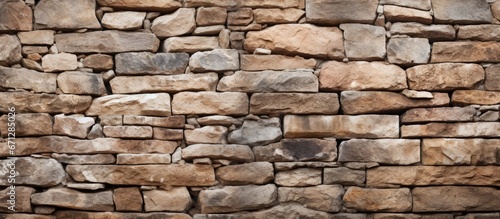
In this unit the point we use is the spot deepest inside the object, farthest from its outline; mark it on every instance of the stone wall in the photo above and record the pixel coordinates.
(230, 109)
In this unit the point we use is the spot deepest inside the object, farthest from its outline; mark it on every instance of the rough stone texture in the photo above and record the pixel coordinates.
(270, 81)
(322, 198)
(237, 198)
(28, 124)
(261, 132)
(178, 23)
(485, 32)
(28, 80)
(123, 20)
(449, 151)
(98, 62)
(364, 42)
(138, 104)
(360, 102)
(206, 135)
(10, 50)
(408, 51)
(136, 132)
(492, 79)
(432, 175)
(455, 198)
(380, 200)
(69, 198)
(168, 122)
(75, 82)
(215, 60)
(277, 16)
(143, 5)
(363, 126)
(461, 11)
(176, 199)
(280, 211)
(151, 64)
(344, 176)
(297, 150)
(173, 83)
(59, 62)
(15, 16)
(227, 103)
(298, 177)
(298, 39)
(338, 76)
(274, 62)
(33, 172)
(37, 37)
(53, 14)
(206, 16)
(468, 97)
(270, 3)
(385, 151)
(439, 114)
(404, 14)
(431, 32)
(418, 4)
(84, 159)
(25, 102)
(466, 51)
(321, 103)
(249, 173)
(22, 198)
(190, 44)
(219, 151)
(127, 199)
(73, 126)
(445, 76)
(479, 129)
(340, 11)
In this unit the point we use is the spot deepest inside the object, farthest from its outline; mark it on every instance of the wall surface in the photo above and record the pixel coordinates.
(231, 109)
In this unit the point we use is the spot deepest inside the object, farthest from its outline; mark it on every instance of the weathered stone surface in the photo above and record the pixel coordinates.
(297, 150)
(84, 159)
(240, 17)
(117, 215)
(149, 63)
(51, 14)
(270, 3)
(287, 210)
(167, 122)
(432, 175)
(445, 76)
(210, 3)
(37, 37)
(298, 177)
(364, 42)
(468, 97)
(25, 102)
(270, 103)
(418, 4)
(26, 216)
(138, 104)
(455, 198)
(404, 14)
(408, 51)
(340, 76)
(495, 10)
(168, 134)
(449, 151)
(211, 16)
(237, 198)
(270, 81)
(74, 82)
(15, 16)
(176, 199)
(178, 23)
(439, 114)
(478, 129)
(127, 199)
(411, 216)
(385, 151)
(73, 126)
(206, 134)
(322, 198)
(234, 152)
(379, 200)
(360, 102)
(249, 173)
(123, 20)
(461, 11)
(431, 32)
(69, 198)
(98, 62)
(128, 132)
(22, 199)
(30, 64)
(466, 51)
(480, 216)
(298, 39)
(166, 175)
(190, 44)
(212, 31)
(110, 41)
(414, 94)
(261, 132)
(487, 32)
(173, 83)
(219, 120)
(280, 166)
(227, 103)
(215, 60)
(492, 79)
(27, 79)
(31, 171)
(340, 11)
(277, 16)
(35, 52)
(363, 126)
(10, 50)
(143, 5)
(344, 176)
(59, 62)
(274, 62)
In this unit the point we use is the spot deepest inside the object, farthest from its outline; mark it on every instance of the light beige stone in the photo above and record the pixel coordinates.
(334, 12)
(480, 97)
(299, 177)
(439, 114)
(431, 32)
(413, 94)
(206, 135)
(28, 80)
(211, 31)
(286, 210)
(219, 151)
(206, 16)
(170, 83)
(35, 172)
(25, 102)
(84, 159)
(227, 103)
(478, 129)
(274, 62)
(237, 198)
(143, 5)
(417, 4)
(74, 82)
(277, 16)
(127, 199)
(219, 120)
(176, 199)
(486, 32)
(123, 20)
(216, 60)
(455, 198)
(70, 198)
(128, 132)
(15, 16)
(297, 150)
(451, 151)
(240, 17)
(190, 44)
(461, 11)
(36, 37)
(492, 79)
(364, 42)
(138, 104)
(167, 122)
(291, 103)
(180, 22)
(344, 176)
(384, 151)
(445, 76)
(168, 134)
(59, 62)
(408, 51)
(73, 126)
(269, 3)
(142, 158)
(466, 51)
(378, 200)
(249, 173)
(270, 81)
(322, 197)
(52, 14)
(404, 14)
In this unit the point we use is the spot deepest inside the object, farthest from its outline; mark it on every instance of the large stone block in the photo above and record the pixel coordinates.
(22, 199)
(143, 5)
(13, 78)
(72, 125)
(121, 215)
(431, 32)
(10, 50)
(249, 173)
(378, 200)
(274, 62)
(454, 151)
(454, 130)
(75, 82)
(260, 132)
(167, 83)
(237, 198)
(418, 4)
(31, 171)
(291, 103)
(206, 135)
(15, 16)
(151, 64)
(70, 198)
(439, 114)
(333, 12)
(78, 14)
(270, 81)
(492, 79)
(455, 198)
(445, 76)
(138, 104)
(127, 199)
(344, 176)
(123, 20)
(277, 16)
(180, 22)
(304, 149)
(364, 42)
(27, 124)
(227, 103)
(466, 51)
(299, 177)
(240, 153)
(461, 11)
(404, 14)
(215, 60)
(322, 198)
(25, 102)
(385, 151)
(408, 51)
(485, 32)
(479, 97)
(176, 199)
(286, 210)
(270, 3)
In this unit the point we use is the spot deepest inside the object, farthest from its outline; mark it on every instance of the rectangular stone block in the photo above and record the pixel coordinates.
(143, 5)
(477, 97)
(170, 83)
(128, 131)
(453, 130)
(298, 177)
(150, 63)
(138, 104)
(167, 122)
(486, 32)
(322, 198)
(431, 32)
(461, 12)
(142, 158)
(301, 149)
(294, 103)
(227, 103)
(27, 124)
(26, 102)
(378, 200)
(439, 114)
(466, 51)
(274, 62)
(444, 76)
(344, 176)
(334, 12)
(453, 151)
(385, 151)
(455, 198)
(12, 78)
(168, 134)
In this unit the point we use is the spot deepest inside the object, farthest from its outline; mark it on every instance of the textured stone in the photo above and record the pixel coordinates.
(15, 16)
(432, 175)
(418, 4)
(340, 76)
(249, 173)
(35, 51)
(28, 80)
(127, 199)
(25, 216)
(98, 62)
(69, 198)
(168, 134)
(110, 41)
(128, 132)
(478, 129)
(461, 11)
(10, 50)
(287, 210)
(277, 16)
(360, 102)
(212, 30)
(439, 114)
(487, 32)
(271, 103)
(298, 39)
(449, 151)
(219, 120)
(413, 94)
(152, 64)
(237, 198)
(210, 16)
(379, 200)
(455, 198)
(22, 199)
(492, 79)
(270, 3)
(227, 103)
(466, 51)
(36, 37)
(172, 83)
(234, 152)
(364, 42)
(138, 104)
(408, 51)
(322, 198)
(176, 199)
(25, 102)
(445, 76)
(178, 23)
(270, 81)
(206, 134)
(297, 150)
(411, 216)
(404, 14)
(298, 177)
(274, 62)
(261, 132)
(27, 124)
(166, 175)
(73, 126)
(168, 122)
(143, 5)
(75, 82)
(215, 60)
(385, 151)
(495, 10)
(35, 172)
(240, 17)
(59, 62)
(340, 11)
(190, 44)
(84, 159)
(431, 32)
(468, 97)
(123, 20)
(53, 14)
(344, 176)
(363, 126)
(280, 166)
(30, 64)
(210, 3)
